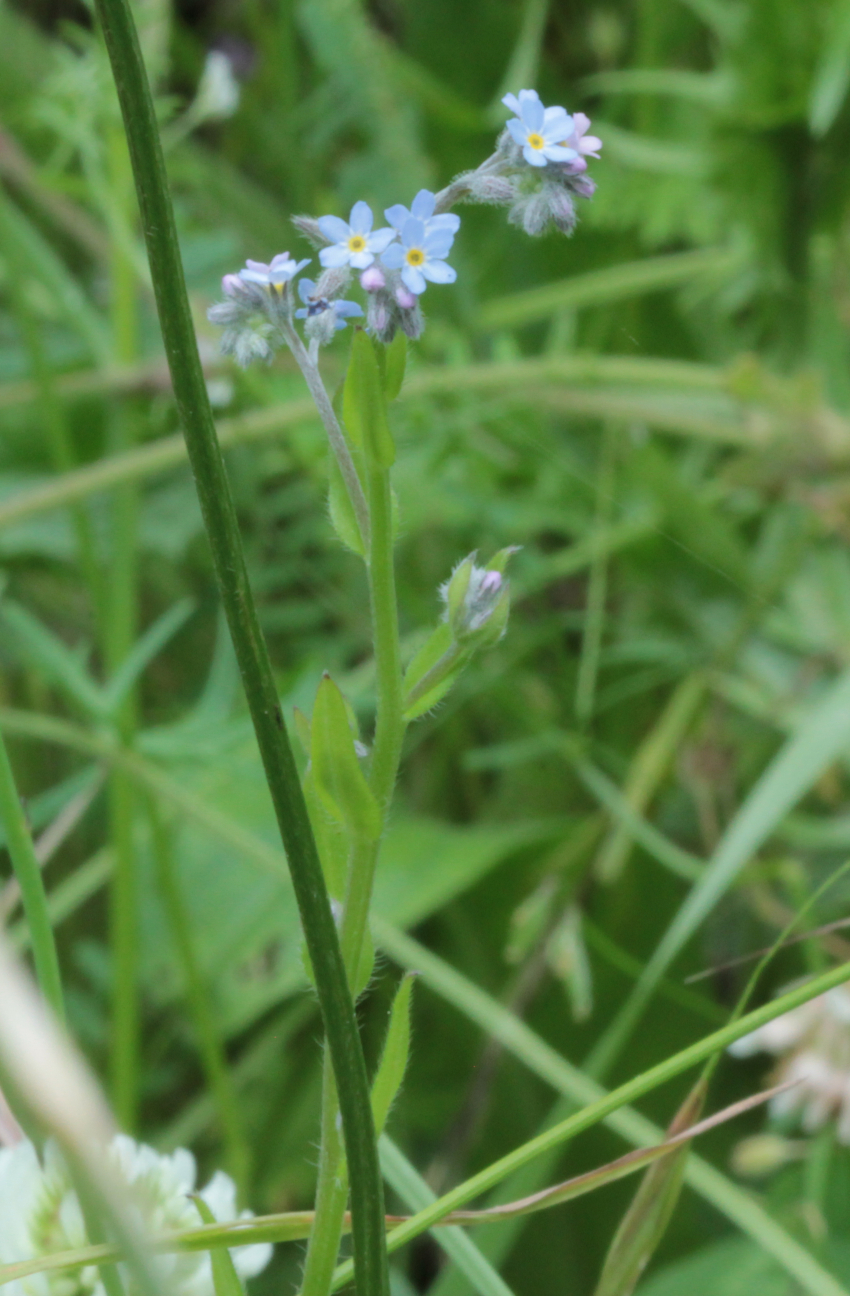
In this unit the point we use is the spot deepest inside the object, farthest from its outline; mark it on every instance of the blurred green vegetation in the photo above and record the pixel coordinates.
(658, 411)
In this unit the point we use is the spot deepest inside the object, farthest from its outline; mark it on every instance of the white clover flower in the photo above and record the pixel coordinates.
(543, 134)
(315, 305)
(419, 256)
(354, 242)
(813, 1043)
(39, 1214)
(273, 276)
(422, 208)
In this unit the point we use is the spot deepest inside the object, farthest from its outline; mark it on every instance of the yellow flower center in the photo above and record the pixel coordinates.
(415, 256)
(356, 243)
(536, 142)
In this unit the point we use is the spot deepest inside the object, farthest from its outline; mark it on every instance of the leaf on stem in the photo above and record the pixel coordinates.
(394, 1057)
(340, 782)
(364, 403)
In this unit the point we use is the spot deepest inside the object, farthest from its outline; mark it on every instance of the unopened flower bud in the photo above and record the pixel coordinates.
(231, 285)
(561, 207)
(373, 279)
(477, 600)
(583, 186)
(333, 282)
(411, 320)
(381, 319)
(496, 190)
(309, 227)
(405, 298)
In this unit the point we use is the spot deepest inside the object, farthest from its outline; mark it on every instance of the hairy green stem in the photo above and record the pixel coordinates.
(229, 562)
(28, 873)
(332, 1190)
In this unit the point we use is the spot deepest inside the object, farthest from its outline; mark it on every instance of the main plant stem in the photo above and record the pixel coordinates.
(368, 1226)
(332, 1189)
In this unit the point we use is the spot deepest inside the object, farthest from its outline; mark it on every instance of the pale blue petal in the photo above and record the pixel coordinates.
(393, 257)
(332, 257)
(302, 313)
(334, 229)
(413, 234)
(397, 215)
(511, 101)
(414, 279)
(557, 153)
(533, 157)
(446, 221)
(438, 243)
(557, 119)
(259, 267)
(361, 217)
(381, 239)
(423, 204)
(306, 288)
(439, 272)
(300, 266)
(281, 262)
(339, 324)
(254, 276)
(347, 308)
(532, 114)
(362, 260)
(517, 130)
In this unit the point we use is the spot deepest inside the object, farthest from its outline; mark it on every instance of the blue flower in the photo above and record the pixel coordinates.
(353, 243)
(422, 208)
(541, 133)
(273, 276)
(315, 305)
(419, 255)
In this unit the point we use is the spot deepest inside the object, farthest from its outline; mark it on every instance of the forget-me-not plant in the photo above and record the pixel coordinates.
(420, 255)
(422, 208)
(543, 134)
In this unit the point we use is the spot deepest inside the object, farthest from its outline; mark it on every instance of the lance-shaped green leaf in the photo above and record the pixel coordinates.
(393, 1062)
(645, 1222)
(225, 1278)
(395, 363)
(364, 403)
(340, 782)
(343, 517)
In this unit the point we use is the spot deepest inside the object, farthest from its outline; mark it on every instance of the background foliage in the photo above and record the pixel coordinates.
(659, 413)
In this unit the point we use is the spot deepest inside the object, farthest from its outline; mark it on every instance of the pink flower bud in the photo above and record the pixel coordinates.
(231, 285)
(372, 279)
(405, 299)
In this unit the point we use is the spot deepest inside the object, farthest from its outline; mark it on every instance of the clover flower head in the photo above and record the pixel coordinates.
(353, 243)
(543, 134)
(813, 1045)
(274, 276)
(40, 1214)
(324, 317)
(422, 208)
(419, 255)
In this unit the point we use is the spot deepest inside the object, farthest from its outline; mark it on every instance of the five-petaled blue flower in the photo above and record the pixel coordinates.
(422, 208)
(353, 243)
(315, 305)
(542, 133)
(278, 272)
(419, 255)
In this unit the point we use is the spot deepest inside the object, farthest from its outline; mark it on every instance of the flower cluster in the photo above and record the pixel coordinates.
(538, 170)
(40, 1213)
(813, 1043)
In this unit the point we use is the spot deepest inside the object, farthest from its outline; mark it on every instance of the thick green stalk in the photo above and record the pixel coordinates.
(30, 881)
(332, 1189)
(228, 558)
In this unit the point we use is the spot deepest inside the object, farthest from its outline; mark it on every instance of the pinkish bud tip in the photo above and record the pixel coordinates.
(230, 285)
(405, 299)
(491, 582)
(372, 279)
